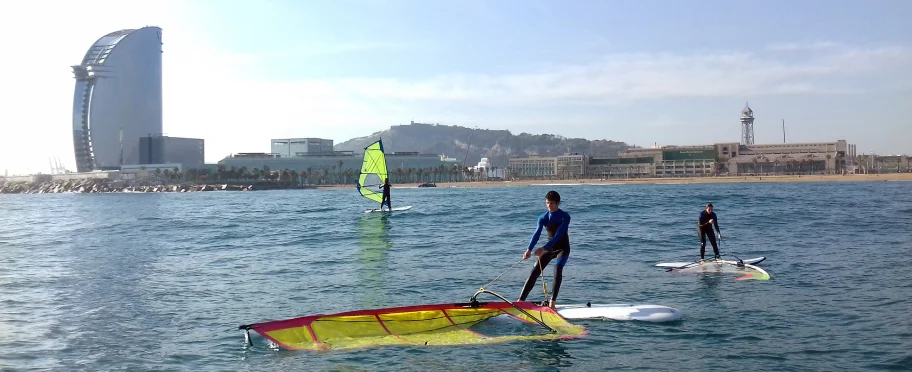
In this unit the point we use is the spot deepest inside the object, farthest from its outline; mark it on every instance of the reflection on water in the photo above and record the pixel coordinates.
(711, 280)
(548, 353)
(373, 242)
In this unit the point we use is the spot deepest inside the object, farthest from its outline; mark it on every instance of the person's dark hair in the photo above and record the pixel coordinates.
(553, 196)
(709, 205)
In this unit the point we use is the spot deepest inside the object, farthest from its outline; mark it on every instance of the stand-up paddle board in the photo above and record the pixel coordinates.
(397, 209)
(750, 261)
(645, 313)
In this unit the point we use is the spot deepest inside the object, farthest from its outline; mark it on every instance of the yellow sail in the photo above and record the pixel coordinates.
(431, 325)
(373, 172)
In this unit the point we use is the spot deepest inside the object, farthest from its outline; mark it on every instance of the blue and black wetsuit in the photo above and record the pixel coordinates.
(705, 230)
(558, 246)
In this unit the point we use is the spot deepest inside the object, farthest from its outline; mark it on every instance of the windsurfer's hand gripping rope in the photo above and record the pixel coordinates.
(710, 223)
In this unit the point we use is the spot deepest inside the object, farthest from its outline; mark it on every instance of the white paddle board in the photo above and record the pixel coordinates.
(749, 261)
(645, 313)
(397, 209)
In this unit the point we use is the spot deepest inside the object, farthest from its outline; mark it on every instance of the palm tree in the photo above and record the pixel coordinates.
(294, 177)
(454, 170)
(340, 168)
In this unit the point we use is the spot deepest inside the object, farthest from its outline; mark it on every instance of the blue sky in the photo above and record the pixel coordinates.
(240, 72)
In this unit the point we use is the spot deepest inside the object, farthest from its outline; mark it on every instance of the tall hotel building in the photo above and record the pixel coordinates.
(118, 98)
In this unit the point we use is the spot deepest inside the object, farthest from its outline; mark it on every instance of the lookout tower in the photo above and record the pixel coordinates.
(747, 125)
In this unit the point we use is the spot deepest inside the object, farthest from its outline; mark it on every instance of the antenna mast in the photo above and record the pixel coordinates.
(121, 147)
(783, 130)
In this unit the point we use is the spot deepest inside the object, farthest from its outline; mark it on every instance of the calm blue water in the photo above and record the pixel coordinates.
(161, 281)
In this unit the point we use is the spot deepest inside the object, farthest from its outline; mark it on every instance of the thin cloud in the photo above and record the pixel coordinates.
(804, 47)
(629, 77)
(328, 49)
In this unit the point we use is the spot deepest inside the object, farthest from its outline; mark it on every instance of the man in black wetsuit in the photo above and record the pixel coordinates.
(708, 220)
(386, 194)
(556, 222)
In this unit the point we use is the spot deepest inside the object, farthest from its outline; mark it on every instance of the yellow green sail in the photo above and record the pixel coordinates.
(448, 324)
(373, 172)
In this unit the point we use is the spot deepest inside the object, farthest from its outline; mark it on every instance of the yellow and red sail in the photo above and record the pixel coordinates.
(432, 325)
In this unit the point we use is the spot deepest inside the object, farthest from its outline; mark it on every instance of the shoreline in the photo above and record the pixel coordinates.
(659, 181)
(108, 186)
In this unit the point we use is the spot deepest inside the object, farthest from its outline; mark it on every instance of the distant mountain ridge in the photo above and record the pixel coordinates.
(496, 145)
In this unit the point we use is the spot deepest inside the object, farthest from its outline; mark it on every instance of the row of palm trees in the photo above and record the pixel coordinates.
(788, 165)
(335, 175)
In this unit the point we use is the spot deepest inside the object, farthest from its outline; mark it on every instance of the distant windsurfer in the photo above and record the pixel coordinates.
(708, 220)
(386, 194)
(556, 222)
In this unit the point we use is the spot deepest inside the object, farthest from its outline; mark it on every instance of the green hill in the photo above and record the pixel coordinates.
(496, 145)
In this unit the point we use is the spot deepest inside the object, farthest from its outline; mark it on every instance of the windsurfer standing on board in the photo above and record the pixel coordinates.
(386, 194)
(556, 222)
(707, 221)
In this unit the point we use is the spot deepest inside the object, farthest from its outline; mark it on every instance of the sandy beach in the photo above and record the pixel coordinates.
(683, 180)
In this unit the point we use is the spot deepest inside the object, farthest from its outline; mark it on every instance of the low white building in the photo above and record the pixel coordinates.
(487, 170)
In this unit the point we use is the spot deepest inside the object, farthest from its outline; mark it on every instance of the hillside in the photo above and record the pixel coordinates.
(496, 145)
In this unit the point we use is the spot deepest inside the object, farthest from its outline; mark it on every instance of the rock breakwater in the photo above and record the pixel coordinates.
(94, 186)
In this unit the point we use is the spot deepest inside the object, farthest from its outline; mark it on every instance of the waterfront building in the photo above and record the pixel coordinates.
(117, 98)
(292, 147)
(533, 167)
(169, 150)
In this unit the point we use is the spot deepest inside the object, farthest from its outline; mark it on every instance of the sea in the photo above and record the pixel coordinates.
(161, 281)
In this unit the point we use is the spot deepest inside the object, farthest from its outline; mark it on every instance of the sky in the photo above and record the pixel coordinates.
(238, 73)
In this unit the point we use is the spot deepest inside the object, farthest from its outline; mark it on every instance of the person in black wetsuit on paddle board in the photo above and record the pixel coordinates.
(556, 222)
(386, 194)
(707, 221)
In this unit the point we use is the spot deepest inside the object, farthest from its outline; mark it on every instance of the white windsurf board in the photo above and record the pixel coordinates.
(645, 313)
(397, 209)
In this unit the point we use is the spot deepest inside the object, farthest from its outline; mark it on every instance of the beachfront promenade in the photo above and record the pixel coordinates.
(677, 180)
(97, 185)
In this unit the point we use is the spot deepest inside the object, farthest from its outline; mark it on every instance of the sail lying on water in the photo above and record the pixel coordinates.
(432, 325)
(373, 172)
